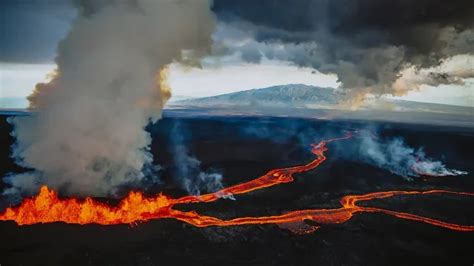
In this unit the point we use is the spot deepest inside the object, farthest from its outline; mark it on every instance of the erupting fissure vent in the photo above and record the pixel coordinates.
(46, 207)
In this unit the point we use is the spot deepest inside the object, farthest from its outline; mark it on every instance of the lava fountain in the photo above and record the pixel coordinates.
(47, 207)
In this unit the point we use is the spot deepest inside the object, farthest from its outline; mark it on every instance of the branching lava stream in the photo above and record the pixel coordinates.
(46, 207)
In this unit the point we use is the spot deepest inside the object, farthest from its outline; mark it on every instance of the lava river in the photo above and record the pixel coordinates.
(46, 207)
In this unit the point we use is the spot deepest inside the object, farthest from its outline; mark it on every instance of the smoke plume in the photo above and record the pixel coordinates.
(367, 43)
(87, 134)
(397, 157)
(391, 154)
(189, 174)
(454, 70)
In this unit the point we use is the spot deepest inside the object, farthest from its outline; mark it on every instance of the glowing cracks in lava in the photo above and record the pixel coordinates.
(46, 207)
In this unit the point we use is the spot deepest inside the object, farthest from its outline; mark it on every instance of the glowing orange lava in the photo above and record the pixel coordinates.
(46, 207)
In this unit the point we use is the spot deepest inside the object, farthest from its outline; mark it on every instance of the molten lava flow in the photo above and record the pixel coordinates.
(46, 207)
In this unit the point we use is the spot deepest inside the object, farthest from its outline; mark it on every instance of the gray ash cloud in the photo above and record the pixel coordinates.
(367, 43)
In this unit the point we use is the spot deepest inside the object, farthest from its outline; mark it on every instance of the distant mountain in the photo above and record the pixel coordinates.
(311, 97)
(292, 95)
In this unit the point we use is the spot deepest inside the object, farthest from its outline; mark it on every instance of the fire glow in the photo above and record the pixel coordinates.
(46, 207)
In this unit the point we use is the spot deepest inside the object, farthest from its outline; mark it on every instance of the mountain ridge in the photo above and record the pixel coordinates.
(289, 95)
(312, 97)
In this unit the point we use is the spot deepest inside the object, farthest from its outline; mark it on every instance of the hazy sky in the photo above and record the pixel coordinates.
(30, 32)
(17, 80)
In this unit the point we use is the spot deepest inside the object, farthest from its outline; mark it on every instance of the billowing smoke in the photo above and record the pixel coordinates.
(454, 70)
(188, 173)
(367, 43)
(87, 134)
(397, 157)
(391, 154)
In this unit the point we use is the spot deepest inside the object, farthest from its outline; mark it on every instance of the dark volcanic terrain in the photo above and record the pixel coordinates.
(243, 148)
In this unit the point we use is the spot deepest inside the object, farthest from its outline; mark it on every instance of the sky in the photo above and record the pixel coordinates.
(30, 32)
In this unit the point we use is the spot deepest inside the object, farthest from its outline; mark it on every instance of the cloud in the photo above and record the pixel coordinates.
(86, 136)
(455, 70)
(366, 43)
(30, 30)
